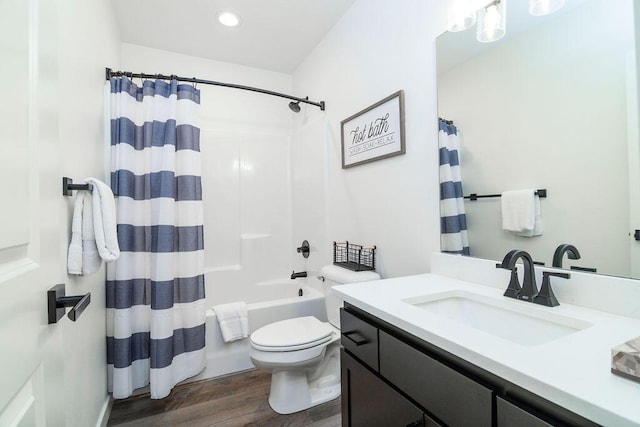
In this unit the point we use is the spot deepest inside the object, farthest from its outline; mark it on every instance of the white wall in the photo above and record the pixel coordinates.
(309, 156)
(245, 138)
(377, 48)
(88, 42)
(548, 110)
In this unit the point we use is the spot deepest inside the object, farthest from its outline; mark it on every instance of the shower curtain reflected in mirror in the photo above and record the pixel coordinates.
(453, 220)
(155, 291)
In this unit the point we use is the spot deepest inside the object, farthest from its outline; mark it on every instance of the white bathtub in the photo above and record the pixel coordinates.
(267, 303)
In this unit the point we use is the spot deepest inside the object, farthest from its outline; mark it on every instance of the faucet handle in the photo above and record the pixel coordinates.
(304, 249)
(556, 274)
(514, 288)
(546, 295)
(585, 269)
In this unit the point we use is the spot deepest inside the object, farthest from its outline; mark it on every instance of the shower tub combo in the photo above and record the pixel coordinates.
(267, 302)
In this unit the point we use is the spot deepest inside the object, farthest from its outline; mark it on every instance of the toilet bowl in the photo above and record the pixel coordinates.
(303, 356)
(303, 353)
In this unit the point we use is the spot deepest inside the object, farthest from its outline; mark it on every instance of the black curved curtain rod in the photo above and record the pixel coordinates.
(110, 73)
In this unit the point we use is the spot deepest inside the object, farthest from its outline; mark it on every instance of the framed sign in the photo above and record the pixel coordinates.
(374, 133)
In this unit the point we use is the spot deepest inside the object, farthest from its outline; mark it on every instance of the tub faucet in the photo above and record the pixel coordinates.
(529, 288)
(570, 250)
(295, 275)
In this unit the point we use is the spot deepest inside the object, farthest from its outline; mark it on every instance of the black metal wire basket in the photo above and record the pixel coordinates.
(354, 257)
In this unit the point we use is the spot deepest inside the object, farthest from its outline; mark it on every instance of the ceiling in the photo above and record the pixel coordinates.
(275, 35)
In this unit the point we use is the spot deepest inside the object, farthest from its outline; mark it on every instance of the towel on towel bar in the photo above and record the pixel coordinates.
(521, 212)
(93, 230)
(83, 255)
(233, 319)
(104, 220)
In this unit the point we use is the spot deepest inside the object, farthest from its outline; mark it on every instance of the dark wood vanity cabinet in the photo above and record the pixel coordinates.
(391, 378)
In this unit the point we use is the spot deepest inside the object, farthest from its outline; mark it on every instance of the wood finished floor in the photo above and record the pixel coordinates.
(236, 400)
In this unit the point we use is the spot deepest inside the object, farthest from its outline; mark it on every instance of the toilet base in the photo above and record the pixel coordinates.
(289, 394)
(295, 390)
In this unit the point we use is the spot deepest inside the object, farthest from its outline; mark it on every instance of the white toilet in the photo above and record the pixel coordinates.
(303, 353)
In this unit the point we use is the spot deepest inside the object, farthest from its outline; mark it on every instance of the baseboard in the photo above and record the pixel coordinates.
(103, 419)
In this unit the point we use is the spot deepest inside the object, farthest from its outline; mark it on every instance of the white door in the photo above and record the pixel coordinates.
(31, 368)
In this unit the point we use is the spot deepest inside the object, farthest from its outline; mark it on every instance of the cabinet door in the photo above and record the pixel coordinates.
(369, 401)
(510, 415)
(446, 393)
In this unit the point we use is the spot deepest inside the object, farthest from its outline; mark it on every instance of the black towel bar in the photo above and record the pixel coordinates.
(68, 186)
(473, 196)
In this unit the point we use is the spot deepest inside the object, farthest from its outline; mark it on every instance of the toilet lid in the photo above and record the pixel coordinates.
(291, 334)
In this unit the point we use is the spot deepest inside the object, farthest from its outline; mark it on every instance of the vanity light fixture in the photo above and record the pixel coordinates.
(492, 21)
(229, 19)
(460, 15)
(544, 7)
(491, 15)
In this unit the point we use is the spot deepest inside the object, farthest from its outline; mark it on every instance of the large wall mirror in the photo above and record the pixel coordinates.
(553, 105)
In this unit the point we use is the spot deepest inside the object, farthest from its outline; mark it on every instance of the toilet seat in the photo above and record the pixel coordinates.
(292, 334)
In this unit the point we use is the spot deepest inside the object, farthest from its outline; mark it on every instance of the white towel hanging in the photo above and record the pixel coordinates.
(93, 230)
(104, 220)
(521, 212)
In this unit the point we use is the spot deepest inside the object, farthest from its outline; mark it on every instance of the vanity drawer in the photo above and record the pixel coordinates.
(512, 415)
(359, 338)
(449, 395)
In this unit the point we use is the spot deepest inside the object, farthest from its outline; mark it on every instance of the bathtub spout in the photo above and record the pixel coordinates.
(295, 275)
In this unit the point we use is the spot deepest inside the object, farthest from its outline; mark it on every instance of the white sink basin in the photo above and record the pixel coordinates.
(517, 321)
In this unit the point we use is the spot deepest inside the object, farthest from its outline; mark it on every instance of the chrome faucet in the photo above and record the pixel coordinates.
(570, 250)
(295, 275)
(529, 288)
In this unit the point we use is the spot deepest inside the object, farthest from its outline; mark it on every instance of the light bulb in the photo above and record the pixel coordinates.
(491, 22)
(461, 15)
(544, 7)
(492, 17)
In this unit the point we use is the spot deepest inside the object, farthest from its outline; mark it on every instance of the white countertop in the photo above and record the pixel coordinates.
(573, 371)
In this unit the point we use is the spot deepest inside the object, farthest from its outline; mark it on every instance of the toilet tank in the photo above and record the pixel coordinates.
(334, 275)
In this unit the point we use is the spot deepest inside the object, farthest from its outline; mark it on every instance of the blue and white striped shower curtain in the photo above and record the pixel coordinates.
(155, 291)
(453, 220)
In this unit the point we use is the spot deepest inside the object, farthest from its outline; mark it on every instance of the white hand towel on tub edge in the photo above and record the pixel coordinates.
(233, 319)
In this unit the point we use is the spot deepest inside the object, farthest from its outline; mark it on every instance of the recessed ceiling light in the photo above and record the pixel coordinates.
(229, 19)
